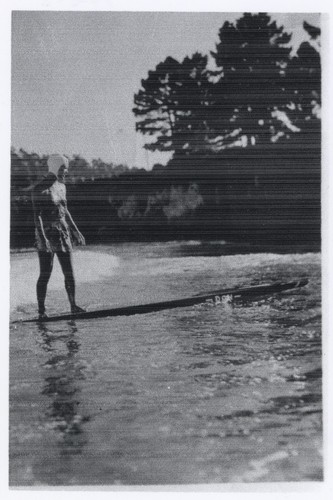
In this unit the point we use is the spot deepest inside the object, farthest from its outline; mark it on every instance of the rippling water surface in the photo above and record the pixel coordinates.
(205, 394)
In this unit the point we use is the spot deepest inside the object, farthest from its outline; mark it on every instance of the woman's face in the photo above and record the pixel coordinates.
(62, 172)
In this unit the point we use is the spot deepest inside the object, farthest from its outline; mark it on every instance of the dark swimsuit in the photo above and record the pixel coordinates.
(51, 205)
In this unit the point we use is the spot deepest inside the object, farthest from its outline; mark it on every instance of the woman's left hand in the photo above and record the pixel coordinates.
(79, 238)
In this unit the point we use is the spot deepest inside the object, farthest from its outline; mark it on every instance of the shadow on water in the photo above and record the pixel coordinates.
(63, 374)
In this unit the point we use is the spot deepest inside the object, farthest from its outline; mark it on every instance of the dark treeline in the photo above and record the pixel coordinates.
(245, 139)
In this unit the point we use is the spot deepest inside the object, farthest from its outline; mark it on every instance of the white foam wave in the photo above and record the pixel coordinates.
(219, 264)
(24, 270)
(93, 266)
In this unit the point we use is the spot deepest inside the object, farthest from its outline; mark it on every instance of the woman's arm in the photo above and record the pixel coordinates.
(40, 226)
(78, 235)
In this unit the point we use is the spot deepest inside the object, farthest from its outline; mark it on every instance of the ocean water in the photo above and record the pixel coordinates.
(207, 394)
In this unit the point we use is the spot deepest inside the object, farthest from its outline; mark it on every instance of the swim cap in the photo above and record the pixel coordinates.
(56, 161)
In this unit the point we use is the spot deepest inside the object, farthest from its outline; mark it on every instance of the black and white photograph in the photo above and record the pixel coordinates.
(165, 247)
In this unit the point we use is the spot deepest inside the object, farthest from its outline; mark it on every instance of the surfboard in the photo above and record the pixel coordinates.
(214, 296)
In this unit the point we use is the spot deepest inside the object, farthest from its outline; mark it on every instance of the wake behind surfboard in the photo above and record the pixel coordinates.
(217, 295)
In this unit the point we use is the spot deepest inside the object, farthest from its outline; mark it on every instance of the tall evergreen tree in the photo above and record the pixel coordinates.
(251, 59)
(259, 94)
(170, 105)
(303, 82)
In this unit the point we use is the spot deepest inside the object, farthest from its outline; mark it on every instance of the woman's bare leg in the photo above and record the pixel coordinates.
(45, 270)
(65, 259)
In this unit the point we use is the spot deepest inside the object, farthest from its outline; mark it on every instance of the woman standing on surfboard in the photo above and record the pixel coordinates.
(54, 228)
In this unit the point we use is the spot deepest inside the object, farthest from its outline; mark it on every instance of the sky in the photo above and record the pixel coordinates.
(74, 75)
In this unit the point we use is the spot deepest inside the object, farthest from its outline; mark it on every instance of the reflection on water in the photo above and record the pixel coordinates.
(49, 417)
(63, 373)
(206, 394)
